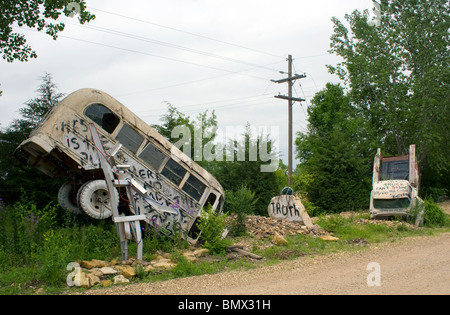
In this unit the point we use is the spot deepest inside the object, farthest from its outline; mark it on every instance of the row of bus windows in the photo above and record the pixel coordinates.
(154, 157)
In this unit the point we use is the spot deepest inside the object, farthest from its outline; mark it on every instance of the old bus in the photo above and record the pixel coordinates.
(61, 146)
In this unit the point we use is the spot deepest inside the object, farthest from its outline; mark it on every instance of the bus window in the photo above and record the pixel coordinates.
(103, 117)
(130, 138)
(211, 200)
(174, 172)
(153, 156)
(194, 188)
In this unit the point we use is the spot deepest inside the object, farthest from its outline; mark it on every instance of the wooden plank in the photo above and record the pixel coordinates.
(130, 218)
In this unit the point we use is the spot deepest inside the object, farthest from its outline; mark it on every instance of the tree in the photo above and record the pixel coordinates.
(189, 135)
(334, 169)
(15, 177)
(398, 73)
(36, 14)
(36, 108)
(245, 169)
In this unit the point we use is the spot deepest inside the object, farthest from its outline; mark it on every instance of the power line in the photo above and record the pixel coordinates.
(189, 33)
(217, 108)
(166, 44)
(187, 82)
(154, 55)
(227, 100)
(232, 104)
(162, 57)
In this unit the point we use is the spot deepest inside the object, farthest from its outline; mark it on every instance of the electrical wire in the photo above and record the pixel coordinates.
(162, 57)
(166, 44)
(156, 56)
(189, 33)
(190, 82)
(217, 108)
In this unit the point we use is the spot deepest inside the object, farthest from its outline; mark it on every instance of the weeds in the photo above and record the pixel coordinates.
(213, 226)
(434, 216)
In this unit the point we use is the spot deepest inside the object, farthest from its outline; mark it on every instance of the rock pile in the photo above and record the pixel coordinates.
(263, 227)
(105, 273)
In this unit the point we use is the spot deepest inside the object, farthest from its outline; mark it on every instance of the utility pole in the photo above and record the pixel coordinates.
(290, 80)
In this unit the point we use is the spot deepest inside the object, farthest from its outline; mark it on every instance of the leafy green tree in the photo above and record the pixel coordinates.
(15, 177)
(334, 171)
(398, 73)
(37, 14)
(201, 129)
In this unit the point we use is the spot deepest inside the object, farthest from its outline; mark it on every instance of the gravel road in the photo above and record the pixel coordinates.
(416, 265)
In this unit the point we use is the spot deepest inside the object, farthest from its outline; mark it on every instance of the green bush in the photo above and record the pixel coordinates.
(434, 216)
(212, 227)
(241, 202)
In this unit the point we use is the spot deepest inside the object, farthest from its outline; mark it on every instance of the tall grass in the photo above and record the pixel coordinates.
(35, 247)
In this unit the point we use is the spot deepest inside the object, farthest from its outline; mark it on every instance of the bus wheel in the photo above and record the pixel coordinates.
(67, 198)
(94, 199)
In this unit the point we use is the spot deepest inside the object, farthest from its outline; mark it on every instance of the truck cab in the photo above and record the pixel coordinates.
(395, 186)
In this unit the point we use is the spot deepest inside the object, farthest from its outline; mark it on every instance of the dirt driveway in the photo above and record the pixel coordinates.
(416, 265)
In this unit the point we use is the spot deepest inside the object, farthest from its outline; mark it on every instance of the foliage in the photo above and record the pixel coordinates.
(241, 202)
(335, 164)
(349, 229)
(398, 74)
(248, 171)
(434, 215)
(212, 226)
(35, 15)
(33, 238)
(193, 135)
(15, 177)
(36, 108)
(23, 228)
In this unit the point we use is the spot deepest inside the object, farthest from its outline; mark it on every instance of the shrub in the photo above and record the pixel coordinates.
(434, 216)
(241, 202)
(212, 227)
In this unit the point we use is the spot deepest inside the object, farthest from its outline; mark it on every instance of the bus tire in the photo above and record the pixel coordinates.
(67, 198)
(94, 199)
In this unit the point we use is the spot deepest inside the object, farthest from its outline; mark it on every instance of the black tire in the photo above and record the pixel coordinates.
(94, 199)
(67, 198)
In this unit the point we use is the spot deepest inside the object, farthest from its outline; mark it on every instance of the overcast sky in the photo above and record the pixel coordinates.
(195, 54)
